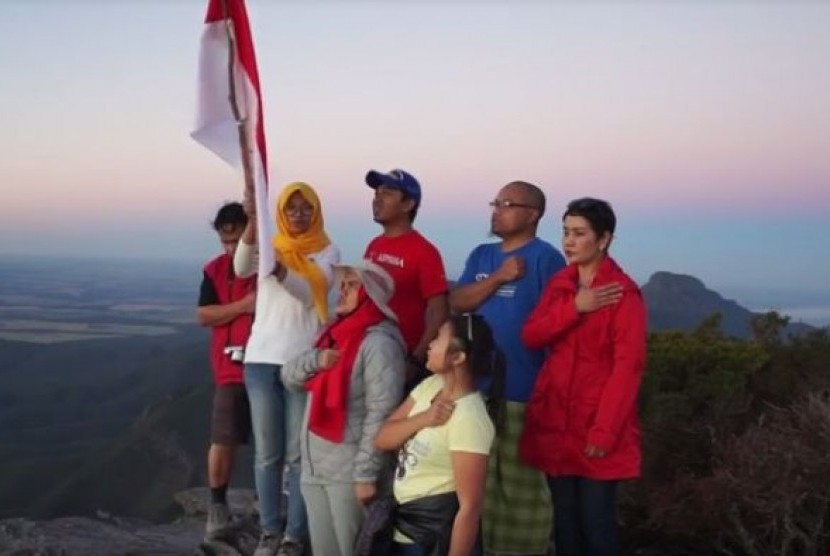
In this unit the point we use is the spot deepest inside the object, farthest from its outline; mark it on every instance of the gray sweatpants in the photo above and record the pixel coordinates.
(334, 517)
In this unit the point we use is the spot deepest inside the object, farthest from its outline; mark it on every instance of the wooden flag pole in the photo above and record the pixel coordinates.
(245, 147)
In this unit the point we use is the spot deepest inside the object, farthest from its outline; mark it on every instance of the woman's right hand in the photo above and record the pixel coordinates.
(591, 299)
(439, 412)
(326, 358)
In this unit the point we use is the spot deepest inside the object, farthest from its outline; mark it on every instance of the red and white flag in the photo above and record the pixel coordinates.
(226, 60)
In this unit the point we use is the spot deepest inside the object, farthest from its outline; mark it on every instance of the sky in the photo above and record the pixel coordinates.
(706, 124)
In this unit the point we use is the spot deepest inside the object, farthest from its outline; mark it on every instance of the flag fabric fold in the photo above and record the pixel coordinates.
(227, 62)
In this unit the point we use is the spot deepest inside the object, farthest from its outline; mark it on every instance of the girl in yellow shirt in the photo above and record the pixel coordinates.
(443, 433)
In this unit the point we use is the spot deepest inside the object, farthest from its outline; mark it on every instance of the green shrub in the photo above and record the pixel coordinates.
(736, 444)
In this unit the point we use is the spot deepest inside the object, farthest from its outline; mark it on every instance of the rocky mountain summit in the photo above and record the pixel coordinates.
(107, 535)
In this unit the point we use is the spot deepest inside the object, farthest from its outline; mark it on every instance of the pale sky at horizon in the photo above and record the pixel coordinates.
(706, 124)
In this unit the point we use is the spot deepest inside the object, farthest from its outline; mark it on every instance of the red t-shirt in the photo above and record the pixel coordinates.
(418, 271)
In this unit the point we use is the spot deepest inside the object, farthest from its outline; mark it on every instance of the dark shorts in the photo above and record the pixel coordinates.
(231, 419)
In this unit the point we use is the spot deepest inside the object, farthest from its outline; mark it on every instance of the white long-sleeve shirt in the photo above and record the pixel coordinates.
(285, 322)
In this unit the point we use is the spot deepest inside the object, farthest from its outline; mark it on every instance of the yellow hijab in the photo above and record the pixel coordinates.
(293, 249)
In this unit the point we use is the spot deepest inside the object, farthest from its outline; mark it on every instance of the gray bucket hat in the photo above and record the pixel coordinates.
(376, 281)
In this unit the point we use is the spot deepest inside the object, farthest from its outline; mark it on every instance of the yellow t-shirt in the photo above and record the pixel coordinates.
(424, 462)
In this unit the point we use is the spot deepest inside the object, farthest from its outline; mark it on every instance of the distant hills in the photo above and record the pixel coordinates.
(106, 386)
(681, 302)
(164, 451)
(64, 300)
(62, 404)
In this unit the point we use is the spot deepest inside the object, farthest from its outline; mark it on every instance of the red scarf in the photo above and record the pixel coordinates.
(330, 387)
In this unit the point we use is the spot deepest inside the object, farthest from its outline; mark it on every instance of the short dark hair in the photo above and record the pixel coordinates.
(598, 213)
(537, 196)
(231, 213)
(485, 360)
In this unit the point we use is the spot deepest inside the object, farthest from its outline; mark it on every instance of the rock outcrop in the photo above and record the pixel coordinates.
(107, 535)
(682, 302)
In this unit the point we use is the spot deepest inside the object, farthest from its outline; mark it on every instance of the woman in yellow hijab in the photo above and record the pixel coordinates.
(300, 233)
(291, 302)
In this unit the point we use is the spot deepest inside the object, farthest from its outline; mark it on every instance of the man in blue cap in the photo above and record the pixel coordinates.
(420, 299)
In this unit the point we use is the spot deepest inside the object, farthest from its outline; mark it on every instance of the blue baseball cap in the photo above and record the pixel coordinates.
(396, 179)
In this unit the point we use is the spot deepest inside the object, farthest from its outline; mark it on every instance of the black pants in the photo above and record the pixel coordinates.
(400, 549)
(584, 516)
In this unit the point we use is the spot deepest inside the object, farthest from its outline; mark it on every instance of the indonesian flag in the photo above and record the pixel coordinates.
(226, 60)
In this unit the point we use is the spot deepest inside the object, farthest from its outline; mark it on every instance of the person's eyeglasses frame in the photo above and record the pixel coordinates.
(298, 212)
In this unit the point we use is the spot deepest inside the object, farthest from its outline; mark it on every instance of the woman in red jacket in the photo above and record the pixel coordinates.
(581, 425)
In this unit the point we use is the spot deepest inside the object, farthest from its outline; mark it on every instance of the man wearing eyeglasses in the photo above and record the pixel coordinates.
(503, 282)
(420, 299)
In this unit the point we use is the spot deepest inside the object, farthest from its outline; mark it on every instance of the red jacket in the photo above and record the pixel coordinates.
(586, 392)
(229, 288)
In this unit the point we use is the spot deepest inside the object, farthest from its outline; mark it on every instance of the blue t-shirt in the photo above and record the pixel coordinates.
(509, 306)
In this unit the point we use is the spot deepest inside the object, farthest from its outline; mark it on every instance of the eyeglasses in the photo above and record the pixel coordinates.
(298, 211)
(499, 204)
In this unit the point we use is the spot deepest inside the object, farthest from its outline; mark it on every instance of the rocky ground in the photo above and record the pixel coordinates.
(107, 535)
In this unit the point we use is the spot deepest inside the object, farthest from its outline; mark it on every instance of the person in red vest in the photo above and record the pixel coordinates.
(226, 304)
(581, 423)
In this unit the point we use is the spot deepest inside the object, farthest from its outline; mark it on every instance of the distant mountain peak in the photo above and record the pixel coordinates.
(681, 302)
(664, 278)
(682, 293)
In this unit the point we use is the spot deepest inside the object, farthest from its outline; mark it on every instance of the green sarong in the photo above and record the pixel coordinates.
(518, 514)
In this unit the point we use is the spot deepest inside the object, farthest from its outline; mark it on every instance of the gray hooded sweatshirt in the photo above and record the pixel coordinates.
(375, 391)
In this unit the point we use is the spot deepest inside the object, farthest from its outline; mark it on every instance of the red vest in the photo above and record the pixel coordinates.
(228, 288)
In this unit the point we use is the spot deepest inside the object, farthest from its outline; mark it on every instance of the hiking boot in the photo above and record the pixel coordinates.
(268, 545)
(291, 547)
(219, 522)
